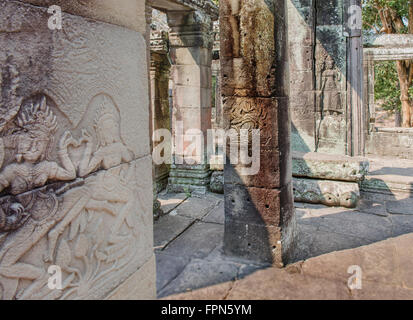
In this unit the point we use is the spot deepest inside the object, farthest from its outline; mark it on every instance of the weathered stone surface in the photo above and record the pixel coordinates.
(391, 142)
(257, 205)
(373, 207)
(200, 274)
(75, 181)
(215, 292)
(400, 207)
(191, 54)
(259, 220)
(217, 215)
(168, 268)
(170, 201)
(160, 114)
(189, 179)
(71, 222)
(168, 227)
(385, 275)
(198, 241)
(196, 207)
(281, 285)
(325, 166)
(131, 14)
(217, 182)
(327, 192)
(247, 69)
(139, 286)
(322, 62)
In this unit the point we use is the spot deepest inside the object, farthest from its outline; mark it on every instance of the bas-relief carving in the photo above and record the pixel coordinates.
(90, 227)
(331, 118)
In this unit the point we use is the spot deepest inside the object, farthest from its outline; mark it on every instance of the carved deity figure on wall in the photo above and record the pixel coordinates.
(110, 190)
(78, 237)
(330, 88)
(32, 139)
(331, 121)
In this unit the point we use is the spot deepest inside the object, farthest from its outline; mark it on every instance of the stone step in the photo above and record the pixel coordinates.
(389, 176)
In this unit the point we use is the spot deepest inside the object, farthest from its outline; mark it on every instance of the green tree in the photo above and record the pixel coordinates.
(393, 17)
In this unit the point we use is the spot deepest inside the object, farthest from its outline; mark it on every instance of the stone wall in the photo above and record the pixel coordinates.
(391, 142)
(319, 51)
(76, 177)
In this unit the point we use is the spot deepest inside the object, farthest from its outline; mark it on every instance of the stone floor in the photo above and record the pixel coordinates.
(188, 245)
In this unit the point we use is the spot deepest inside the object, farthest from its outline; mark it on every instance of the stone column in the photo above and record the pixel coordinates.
(157, 211)
(160, 70)
(301, 42)
(191, 54)
(358, 131)
(259, 213)
(332, 110)
(75, 163)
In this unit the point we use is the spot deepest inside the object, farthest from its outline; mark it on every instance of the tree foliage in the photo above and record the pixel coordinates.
(393, 79)
(375, 10)
(386, 86)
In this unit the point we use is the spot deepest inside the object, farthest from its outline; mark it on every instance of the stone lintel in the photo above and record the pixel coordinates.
(205, 6)
(331, 167)
(327, 192)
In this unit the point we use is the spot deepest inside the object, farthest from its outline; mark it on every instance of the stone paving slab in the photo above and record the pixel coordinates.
(170, 201)
(322, 231)
(197, 242)
(217, 214)
(386, 274)
(400, 207)
(167, 228)
(200, 274)
(168, 268)
(401, 224)
(373, 207)
(197, 208)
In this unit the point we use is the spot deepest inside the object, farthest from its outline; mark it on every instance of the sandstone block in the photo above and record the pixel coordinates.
(330, 193)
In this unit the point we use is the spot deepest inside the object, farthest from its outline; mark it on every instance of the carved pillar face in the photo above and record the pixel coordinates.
(191, 55)
(259, 221)
(74, 154)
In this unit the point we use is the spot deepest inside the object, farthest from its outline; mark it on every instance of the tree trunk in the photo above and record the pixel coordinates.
(392, 23)
(404, 73)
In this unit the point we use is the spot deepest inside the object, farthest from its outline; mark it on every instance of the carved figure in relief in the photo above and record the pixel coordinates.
(111, 186)
(37, 126)
(32, 140)
(29, 215)
(330, 93)
(91, 250)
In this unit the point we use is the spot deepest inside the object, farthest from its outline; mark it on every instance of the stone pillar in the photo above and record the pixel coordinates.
(191, 54)
(157, 211)
(75, 163)
(301, 42)
(332, 112)
(259, 213)
(355, 70)
(159, 73)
